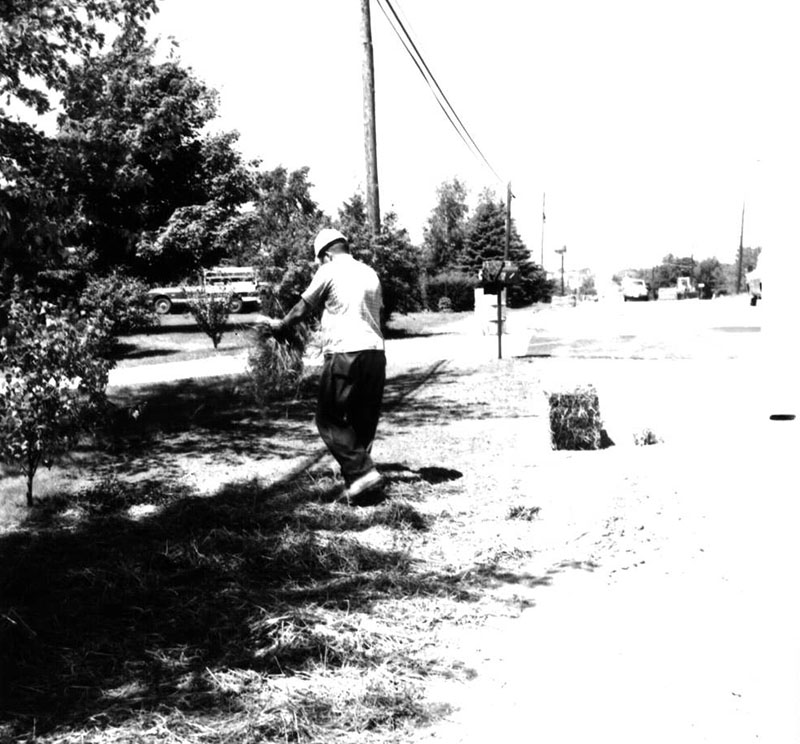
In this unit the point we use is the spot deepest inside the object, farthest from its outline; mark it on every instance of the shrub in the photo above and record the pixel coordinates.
(455, 286)
(122, 300)
(52, 377)
(211, 313)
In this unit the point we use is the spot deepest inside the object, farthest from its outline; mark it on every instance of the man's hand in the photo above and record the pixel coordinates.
(271, 324)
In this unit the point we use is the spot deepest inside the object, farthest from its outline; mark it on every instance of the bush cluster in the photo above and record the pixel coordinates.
(211, 313)
(455, 286)
(122, 301)
(52, 377)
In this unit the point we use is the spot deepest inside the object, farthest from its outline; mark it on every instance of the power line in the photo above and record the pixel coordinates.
(430, 79)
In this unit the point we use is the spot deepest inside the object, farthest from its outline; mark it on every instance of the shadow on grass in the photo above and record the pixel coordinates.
(218, 417)
(123, 597)
(391, 334)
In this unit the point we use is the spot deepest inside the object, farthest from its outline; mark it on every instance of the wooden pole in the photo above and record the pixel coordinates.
(370, 135)
(543, 221)
(506, 249)
(741, 255)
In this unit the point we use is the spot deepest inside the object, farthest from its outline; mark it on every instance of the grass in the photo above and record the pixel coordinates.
(199, 582)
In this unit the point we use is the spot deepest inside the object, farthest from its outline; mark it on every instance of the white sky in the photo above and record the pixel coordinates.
(647, 124)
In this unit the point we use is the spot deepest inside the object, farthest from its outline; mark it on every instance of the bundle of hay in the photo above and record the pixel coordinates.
(575, 422)
(276, 362)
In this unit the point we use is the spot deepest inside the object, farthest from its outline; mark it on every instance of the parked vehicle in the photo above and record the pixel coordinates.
(683, 289)
(239, 283)
(634, 289)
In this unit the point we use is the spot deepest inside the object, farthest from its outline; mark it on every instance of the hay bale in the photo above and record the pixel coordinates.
(575, 422)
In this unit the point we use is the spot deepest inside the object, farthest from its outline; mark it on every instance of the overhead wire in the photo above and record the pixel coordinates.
(433, 84)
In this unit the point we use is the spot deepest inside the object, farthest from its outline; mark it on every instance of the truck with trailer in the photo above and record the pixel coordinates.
(239, 283)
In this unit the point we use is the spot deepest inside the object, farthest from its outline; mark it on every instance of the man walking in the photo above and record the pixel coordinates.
(354, 368)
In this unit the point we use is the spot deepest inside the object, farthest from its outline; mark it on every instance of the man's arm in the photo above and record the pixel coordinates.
(292, 318)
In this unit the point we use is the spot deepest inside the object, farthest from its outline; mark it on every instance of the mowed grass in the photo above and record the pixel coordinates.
(137, 608)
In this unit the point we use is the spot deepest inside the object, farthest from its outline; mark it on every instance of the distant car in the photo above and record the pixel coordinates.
(634, 289)
(239, 283)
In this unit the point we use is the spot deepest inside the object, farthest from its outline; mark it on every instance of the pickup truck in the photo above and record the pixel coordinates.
(239, 283)
(634, 289)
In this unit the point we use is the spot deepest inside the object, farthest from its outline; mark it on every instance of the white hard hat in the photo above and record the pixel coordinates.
(325, 239)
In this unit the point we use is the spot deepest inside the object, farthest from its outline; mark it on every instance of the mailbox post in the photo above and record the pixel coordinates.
(495, 277)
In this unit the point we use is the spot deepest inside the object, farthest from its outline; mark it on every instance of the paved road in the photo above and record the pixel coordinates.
(685, 629)
(725, 328)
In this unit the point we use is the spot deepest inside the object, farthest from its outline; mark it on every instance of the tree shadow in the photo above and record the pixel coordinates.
(124, 350)
(122, 598)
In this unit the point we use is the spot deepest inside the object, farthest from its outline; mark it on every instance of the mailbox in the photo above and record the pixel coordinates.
(497, 274)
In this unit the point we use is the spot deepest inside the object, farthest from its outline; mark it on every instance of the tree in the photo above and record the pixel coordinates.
(285, 219)
(52, 376)
(444, 235)
(152, 192)
(485, 240)
(38, 43)
(33, 203)
(390, 253)
(711, 274)
(671, 267)
(121, 301)
(39, 38)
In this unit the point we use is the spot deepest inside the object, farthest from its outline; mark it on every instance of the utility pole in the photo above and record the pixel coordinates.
(562, 251)
(543, 221)
(741, 255)
(509, 197)
(370, 137)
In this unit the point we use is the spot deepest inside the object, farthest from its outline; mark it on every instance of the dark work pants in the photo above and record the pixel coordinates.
(349, 406)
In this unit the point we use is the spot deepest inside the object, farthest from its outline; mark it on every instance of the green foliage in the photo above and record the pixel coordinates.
(455, 286)
(52, 376)
(711, 273)
(486, 239)
(286, 221)
(39, 38)
(152, 192)
(211, 314)
(444, 235)
(33, 205)
(39, 42)
(667, 273)
(121, 300)
(390, 253)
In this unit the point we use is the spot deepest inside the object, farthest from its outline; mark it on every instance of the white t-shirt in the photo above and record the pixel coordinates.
(350, 294)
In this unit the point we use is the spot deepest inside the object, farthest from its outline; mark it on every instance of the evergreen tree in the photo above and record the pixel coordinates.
(444, 235)
(390, 253)
(486, 240)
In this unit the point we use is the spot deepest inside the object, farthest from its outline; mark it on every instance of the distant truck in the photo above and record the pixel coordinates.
(634, 289)
(684, 288)
(239, 283)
